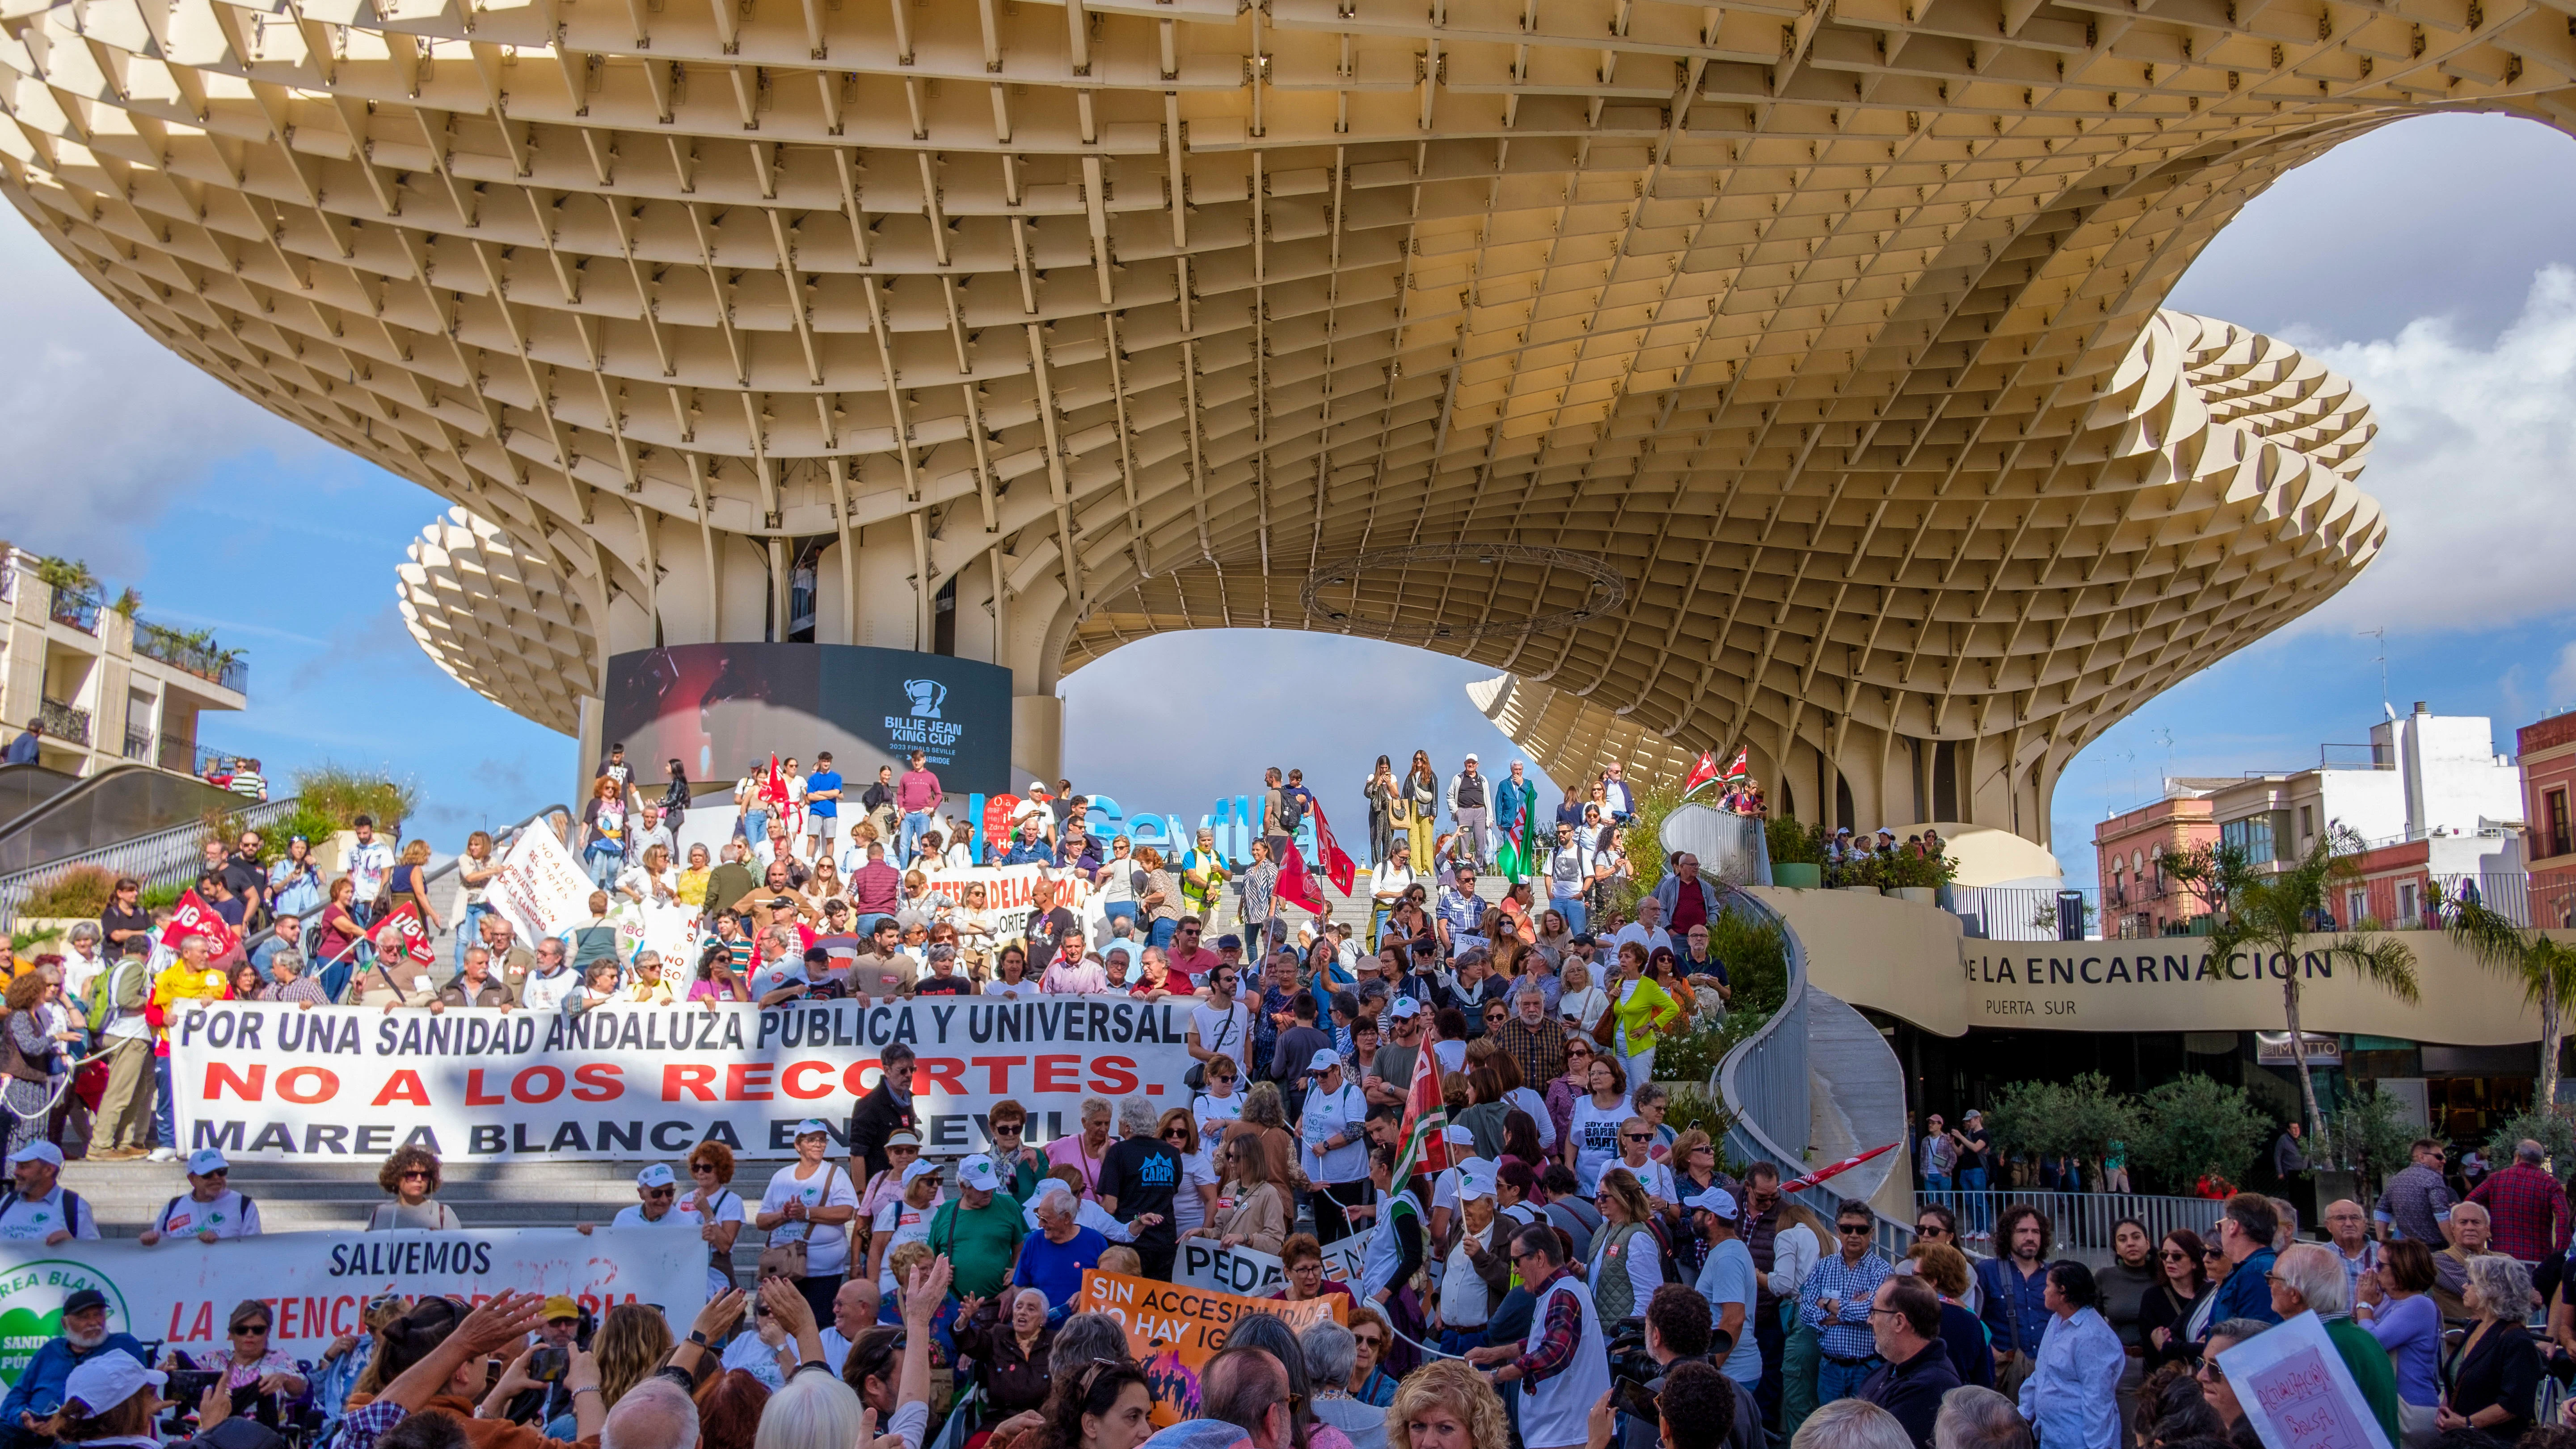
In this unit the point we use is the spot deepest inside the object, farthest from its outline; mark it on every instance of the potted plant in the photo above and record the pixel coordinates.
(1866, 874)
(1797, 856)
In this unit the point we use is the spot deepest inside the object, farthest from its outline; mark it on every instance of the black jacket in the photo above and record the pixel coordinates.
(877, 1117)
(1912, 1390)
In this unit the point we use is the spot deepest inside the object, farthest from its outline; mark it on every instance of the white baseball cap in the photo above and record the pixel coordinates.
(1405, 1006)
(657, 1175)
(1462, 1136)
(1471, 754)
(205, 1160)
(812, 1126)
(108, 1380)
(1717, 1200)
(904, 1139)
(979, 1173)
(1325, 1061)
(42, 1152)
(1475, 1179)
(921, 1167)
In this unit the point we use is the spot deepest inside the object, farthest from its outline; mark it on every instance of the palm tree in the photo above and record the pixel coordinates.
(2271, 913)
(2546, 969)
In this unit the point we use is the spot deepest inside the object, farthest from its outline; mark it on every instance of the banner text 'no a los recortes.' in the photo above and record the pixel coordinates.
(266, 1080)
(2118, 981)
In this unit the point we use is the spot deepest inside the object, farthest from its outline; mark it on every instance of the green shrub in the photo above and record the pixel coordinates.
(74, 891)
(2078, 1117)
(1757, 960)
(154, 897)
(1689, 1056)
(1694, 1107)
(303, 820)
(2553, 1128)
(340, 795)
(1791, 842)
(2193, 1127)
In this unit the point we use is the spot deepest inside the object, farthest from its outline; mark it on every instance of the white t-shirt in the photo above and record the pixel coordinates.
(727, 1208)
(228, 1216)
(1596, 1137)
(1025, 990)
(124, 1025)
(38, 1218)
(1645, 939)
(1217, 1113)
(544, 993)
(1198, 1169)
(632, 1216)
(776, 975)
(906, 1224)
(827, 1245)
(1451, 1055)
(1583, 1007)
(1118, 883)
(759, 1359)
(78, 972)
(1655, 1177)
(1227, 1031)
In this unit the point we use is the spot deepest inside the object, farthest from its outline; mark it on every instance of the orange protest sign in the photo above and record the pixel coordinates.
(1173, 1331)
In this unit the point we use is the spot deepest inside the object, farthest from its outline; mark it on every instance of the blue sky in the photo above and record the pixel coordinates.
(2417, 259)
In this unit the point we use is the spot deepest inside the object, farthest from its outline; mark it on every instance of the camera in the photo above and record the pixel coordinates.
(187, 1386)
(548, 1364)
(1634, 1374)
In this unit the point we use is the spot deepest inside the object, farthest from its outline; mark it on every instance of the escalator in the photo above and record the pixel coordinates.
(45, 816)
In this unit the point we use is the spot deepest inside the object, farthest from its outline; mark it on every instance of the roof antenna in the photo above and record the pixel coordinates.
(2381, 658)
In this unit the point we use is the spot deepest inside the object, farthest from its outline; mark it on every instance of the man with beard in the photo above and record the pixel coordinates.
(39, 1390)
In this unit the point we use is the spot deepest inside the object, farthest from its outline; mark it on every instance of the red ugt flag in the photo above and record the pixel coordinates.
(193, 917)
(1424, 1138)
(1296, 887)
(1328, 852)
(1702, 772)
(402, 930)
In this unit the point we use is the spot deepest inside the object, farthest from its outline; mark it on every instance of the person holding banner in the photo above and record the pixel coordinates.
(1251, 1210)
(1333, 1133)
(209, 1210)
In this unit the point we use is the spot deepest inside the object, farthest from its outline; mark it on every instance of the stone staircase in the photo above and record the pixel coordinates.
(314, 1197)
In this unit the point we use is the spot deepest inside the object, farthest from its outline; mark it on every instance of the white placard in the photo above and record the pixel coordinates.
(2292, 1383)
(540, 889)
(1251, 1273)
(317, 1284)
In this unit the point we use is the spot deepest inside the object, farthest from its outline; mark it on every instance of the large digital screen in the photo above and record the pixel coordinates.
(720, 709)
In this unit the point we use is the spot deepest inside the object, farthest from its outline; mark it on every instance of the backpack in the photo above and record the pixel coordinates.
(1292, 811)
(101, 1007)
(174, 1202)
(1663, 1235)
(72, 1207)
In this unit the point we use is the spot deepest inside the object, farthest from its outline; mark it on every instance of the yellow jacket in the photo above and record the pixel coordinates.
(177, 983)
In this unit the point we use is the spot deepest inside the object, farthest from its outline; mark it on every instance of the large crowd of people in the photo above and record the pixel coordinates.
(1584, 1270)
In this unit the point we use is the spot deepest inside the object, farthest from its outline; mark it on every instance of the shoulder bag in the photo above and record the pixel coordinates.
(787, 1260)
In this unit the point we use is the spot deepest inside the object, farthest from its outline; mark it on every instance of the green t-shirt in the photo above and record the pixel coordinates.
(2371, 1371)
(980, 1244)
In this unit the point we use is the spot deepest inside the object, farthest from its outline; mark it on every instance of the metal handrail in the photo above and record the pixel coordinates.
(159, 858)
(1764, 1085)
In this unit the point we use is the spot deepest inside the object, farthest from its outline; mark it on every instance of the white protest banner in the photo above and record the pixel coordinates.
(539, 889)
(317, 1284)
(1008, 890)
(669, 931)
(267, 1080)
(2293, 1385)
(1254, 1273)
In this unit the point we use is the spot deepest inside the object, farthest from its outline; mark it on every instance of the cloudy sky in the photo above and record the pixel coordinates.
(2434, 261)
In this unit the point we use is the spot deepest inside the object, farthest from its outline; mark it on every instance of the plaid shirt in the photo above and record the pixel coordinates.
(1853, 1287)
(1564, 1332)
(366, 1424)
(1539, 1051)
(2530, 1210)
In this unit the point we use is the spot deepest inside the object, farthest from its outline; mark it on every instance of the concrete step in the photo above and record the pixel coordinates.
(301, 1197)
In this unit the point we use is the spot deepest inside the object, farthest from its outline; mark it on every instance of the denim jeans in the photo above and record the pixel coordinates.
(602, 866)
(1841, 1380)
(914, 823)
(165, 1134)
(1936, 1188)
(755, 825)
(1978, 1211)
(469, 930)
(1160, 936)
(1570, 907)
(1119, 910)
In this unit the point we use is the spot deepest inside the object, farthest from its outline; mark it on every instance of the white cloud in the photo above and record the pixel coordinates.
(106, 427)
(2475, 452)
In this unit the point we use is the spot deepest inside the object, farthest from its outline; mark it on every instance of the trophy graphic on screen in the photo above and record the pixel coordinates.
(927, 695)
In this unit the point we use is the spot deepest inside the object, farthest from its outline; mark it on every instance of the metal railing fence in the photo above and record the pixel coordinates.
(160, 858)
(2079, 1222)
